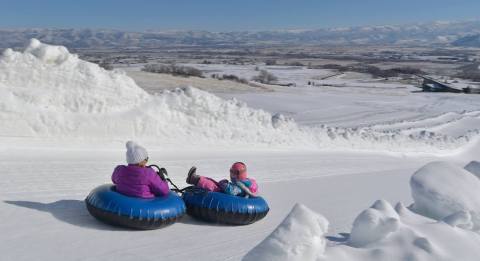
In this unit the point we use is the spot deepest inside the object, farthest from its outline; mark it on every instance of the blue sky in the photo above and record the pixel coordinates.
(229, 15)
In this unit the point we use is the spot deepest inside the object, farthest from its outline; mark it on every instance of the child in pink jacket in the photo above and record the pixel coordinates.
(136, 179)
(239, 184)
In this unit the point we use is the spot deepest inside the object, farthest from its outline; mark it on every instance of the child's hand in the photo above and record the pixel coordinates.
(246, 189)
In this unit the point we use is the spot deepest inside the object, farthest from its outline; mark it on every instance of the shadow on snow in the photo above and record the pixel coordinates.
(73, 212)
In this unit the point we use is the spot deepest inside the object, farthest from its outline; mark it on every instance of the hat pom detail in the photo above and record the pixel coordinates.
(130, 144)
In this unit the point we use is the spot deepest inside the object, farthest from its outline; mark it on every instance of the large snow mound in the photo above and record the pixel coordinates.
(299, 237)
(49, 93)
(49, 77)
(442, 189)
(397, 234)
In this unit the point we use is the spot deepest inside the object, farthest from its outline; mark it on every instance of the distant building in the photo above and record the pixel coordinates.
(432, 85)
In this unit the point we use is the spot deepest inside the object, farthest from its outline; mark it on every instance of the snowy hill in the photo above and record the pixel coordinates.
(50, 93)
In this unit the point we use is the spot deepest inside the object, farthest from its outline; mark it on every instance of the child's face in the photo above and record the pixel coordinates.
(143, 163)
(237, 175)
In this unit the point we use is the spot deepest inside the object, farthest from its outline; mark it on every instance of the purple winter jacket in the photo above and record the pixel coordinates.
(136, 181)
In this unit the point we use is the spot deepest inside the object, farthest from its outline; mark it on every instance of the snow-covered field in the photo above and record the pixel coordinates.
(336, 151)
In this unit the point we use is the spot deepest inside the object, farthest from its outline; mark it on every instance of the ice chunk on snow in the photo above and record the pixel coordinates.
(299, 237)
(441, 189)
(374, 224)
(474, 167)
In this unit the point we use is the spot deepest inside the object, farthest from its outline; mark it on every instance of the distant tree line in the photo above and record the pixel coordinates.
(270, 62)
(373, 70)
(295, 63)
(230, 77)
(265, 77)
(177, 70)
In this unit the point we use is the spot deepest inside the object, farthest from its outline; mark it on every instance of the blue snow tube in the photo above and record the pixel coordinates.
(111, 207)
(223, 208)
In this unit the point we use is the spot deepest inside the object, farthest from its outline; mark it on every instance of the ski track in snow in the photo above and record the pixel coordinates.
(442, 122)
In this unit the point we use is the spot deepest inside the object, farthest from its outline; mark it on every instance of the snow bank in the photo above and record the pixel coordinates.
(48, 93)
(396, 234)
(49, 77)
(299, 237)
(374, 224)
(441, 189)
(474, 167)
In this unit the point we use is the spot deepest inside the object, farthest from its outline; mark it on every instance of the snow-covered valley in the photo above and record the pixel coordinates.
(334, 150)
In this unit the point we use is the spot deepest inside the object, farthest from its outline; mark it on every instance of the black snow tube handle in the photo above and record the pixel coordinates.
(164, 175)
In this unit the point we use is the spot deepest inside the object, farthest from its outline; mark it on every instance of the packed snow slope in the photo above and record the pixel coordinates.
(445, 192)
(50, 93)
(44, 215)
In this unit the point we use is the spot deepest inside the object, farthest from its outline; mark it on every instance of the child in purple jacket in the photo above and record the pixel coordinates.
(136, 179)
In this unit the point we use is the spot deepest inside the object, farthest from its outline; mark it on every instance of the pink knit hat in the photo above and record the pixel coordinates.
(238, 171)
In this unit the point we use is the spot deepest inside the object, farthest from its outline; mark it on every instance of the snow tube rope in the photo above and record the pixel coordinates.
(222, 208)
(109, 206)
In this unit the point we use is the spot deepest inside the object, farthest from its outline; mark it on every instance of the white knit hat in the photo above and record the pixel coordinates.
(135, 153)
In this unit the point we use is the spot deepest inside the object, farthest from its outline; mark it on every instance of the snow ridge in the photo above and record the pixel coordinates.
(52, 94)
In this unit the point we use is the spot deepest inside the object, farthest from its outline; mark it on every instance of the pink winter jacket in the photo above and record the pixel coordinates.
(136, 181)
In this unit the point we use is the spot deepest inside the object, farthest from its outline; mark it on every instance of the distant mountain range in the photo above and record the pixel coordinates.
(466, 33)
(468, 41)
